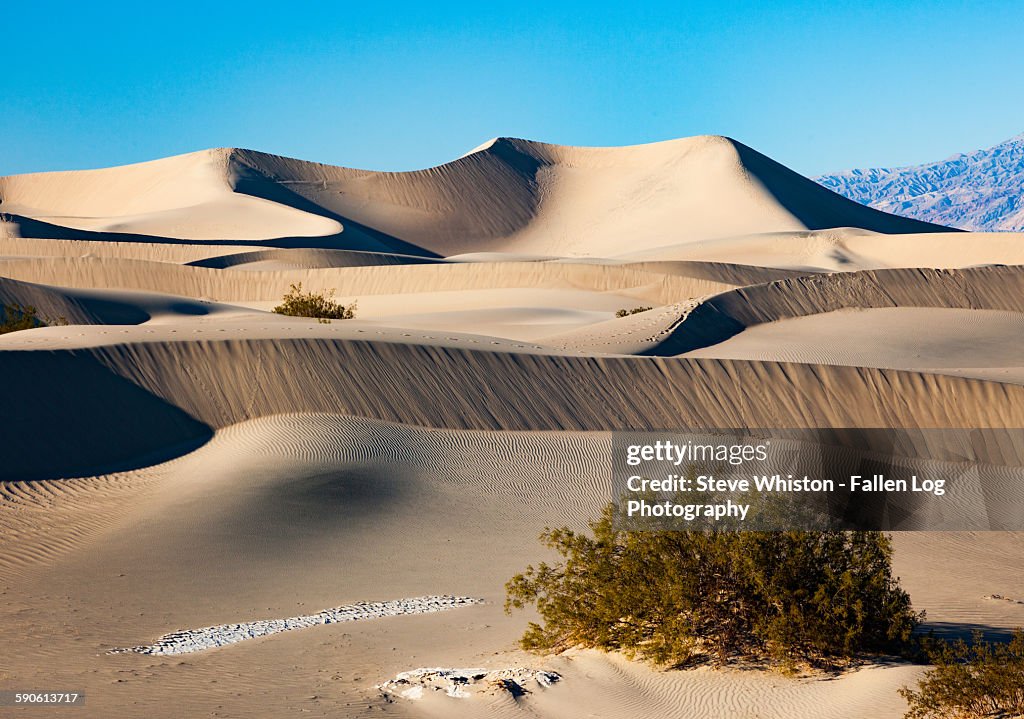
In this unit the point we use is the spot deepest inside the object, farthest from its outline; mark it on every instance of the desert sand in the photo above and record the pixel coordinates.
(281, 515)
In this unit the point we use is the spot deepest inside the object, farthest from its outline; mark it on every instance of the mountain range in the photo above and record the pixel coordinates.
(981, 191)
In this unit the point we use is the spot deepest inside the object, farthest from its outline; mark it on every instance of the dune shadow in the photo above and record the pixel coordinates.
(252, 182)
(966, 631)
(314, 258)
(354, 237)
(817, 207)
(67, 415)
(704, 326)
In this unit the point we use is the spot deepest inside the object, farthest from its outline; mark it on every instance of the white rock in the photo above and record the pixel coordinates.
(195, 640)
(464, 683)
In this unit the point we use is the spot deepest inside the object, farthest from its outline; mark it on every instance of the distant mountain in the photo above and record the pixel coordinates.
(983, 190)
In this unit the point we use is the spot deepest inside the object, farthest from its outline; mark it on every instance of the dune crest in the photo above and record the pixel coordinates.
(508, 194)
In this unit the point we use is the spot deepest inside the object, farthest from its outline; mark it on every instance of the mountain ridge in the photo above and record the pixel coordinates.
(978, 191)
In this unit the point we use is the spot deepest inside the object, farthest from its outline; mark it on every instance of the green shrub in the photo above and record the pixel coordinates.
(678, 597)
(322, 306)
(971, 680)
(18, 317)
(634, 311)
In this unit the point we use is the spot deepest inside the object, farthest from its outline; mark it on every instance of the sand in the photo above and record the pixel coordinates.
(191, 473)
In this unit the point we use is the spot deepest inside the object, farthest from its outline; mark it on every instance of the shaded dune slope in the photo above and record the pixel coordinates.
(104, 423)
(131, 397)
(303, 258)
(726, 272)
(86, 306)
(47, 301)
(352, 236)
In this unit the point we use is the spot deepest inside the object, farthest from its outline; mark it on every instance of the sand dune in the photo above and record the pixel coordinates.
(123, 403)
(185, 458)
(174, 252)
(188, 196)
(695, 324)
(846, 249)
(351, 237)
(718, 318)
(352, 282)
(508, 193)
(987, 344)
(584, 199)
(49, 302)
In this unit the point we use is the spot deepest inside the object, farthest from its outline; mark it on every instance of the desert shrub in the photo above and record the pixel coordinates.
(971, 680)
(677, 597)
(322, 306)
(635, 311)
(17, 317)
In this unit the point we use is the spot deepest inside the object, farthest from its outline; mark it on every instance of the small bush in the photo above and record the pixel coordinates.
(322, 306)
(968, 681)
(635, 311)
(677, 597)
(18, 317)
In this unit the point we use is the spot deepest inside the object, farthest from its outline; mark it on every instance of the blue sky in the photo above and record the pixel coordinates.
(818, 86)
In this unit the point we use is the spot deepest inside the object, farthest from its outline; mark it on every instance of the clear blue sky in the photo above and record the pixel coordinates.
(817, 85)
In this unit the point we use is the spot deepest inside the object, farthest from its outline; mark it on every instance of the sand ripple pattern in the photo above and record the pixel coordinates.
(42, 521)
(533, 469)
(197, 640)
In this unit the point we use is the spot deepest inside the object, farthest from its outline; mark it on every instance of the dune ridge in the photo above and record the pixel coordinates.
(508, 193)
(720, 317)
(179, 392)
(843, 249)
